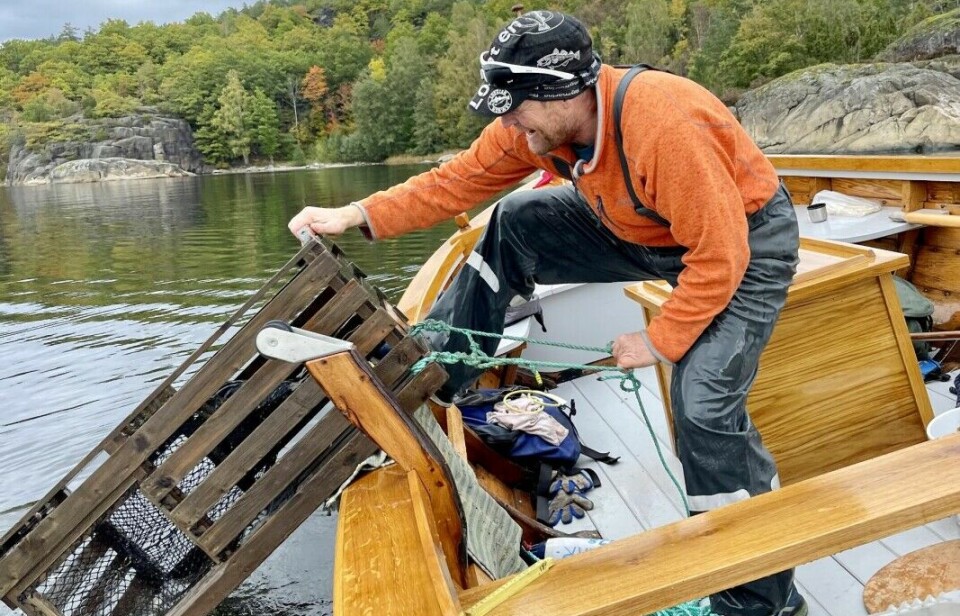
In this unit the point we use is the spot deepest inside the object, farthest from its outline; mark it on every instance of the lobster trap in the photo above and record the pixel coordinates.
(189, 494)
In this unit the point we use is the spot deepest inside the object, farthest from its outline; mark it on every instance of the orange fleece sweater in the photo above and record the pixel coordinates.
(690, 161)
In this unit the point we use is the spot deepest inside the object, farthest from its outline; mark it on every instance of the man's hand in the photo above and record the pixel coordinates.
(326, 220)
(631, 351)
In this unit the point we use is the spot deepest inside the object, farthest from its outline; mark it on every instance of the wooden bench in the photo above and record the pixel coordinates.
(388, 539)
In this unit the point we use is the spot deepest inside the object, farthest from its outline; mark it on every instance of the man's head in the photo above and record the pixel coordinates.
(541, 55)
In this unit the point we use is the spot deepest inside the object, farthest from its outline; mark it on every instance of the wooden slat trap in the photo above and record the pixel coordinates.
(199, 485)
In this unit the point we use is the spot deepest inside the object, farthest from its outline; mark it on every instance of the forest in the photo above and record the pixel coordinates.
(364, 80)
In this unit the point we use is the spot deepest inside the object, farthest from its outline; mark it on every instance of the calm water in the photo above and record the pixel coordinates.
(106, 288)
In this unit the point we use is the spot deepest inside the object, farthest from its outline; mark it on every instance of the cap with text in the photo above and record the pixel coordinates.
(540, 55)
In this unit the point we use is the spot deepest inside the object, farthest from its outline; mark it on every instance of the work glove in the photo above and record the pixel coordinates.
(565, 506)
(578, 482)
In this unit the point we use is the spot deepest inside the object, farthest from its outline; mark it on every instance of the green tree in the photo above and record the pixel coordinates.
(345, 53)
(650, 31)
(68, 33)
(427, 136)
(148, 83)
(713, 24)
(372, 140)
(230, 119)
(109, 51)
(208, 139)
(781, 36)
(456, 77)
(432, 38)
(113, 95)
(263, 122)
(109, 104)
(7, 79)
(192, 81)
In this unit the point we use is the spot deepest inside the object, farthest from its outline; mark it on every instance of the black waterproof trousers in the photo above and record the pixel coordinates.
(550, 236)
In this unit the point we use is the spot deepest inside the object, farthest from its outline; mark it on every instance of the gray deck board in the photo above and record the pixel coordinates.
(828, 583)
(633, 489)
(637, 494)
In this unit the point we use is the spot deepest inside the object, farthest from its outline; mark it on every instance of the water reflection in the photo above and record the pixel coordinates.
(106, 288)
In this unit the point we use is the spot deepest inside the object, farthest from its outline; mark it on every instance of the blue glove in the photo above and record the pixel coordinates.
(579, 482)
(566, 506)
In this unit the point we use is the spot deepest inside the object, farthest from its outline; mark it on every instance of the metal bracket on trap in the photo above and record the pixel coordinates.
(277, 340)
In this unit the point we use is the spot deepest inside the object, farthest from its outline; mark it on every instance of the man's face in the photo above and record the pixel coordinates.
(545, 124)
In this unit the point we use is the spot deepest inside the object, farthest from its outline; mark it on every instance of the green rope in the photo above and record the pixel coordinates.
(476, 358)
(692, 608)
(628, 383)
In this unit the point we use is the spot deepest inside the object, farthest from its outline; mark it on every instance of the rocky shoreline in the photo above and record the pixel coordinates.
(907, 101)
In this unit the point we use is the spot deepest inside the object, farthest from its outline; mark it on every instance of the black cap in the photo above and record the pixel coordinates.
(541, 55)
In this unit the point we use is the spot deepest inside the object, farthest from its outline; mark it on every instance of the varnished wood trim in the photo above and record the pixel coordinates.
(430, 544)
(899, 326)
(861, 163)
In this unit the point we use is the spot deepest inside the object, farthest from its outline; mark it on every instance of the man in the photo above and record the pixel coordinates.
(699, 206)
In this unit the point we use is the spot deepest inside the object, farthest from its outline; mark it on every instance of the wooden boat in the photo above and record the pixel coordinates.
(842, 406)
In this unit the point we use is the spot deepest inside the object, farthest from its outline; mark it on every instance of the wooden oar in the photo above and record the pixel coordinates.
(929, 217)
(936, 336)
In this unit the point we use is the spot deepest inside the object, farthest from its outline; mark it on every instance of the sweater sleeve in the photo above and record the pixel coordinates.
(687, 166)
(490, 165)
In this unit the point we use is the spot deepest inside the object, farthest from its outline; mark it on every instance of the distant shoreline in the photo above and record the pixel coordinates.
(403, 159)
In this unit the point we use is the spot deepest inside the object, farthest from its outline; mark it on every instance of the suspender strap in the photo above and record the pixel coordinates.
(617, 111)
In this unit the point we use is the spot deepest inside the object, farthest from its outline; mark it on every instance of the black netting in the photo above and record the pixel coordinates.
(135, 563)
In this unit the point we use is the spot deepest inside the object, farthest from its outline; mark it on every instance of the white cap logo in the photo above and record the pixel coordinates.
(534, 22)
(499, 101)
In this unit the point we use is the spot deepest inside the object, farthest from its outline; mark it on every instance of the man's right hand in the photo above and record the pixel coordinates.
(326, 220)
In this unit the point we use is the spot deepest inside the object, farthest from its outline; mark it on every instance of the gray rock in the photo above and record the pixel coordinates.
(105, 151)
(107, 169)
(855, 109)
(932, 38)
(147, 137)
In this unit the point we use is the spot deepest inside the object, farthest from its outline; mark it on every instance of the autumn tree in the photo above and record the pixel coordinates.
(314, 90)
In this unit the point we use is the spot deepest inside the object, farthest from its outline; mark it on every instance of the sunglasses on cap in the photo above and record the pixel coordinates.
(498, 73)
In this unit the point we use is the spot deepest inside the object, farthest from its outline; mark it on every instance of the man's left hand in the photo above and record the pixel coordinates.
(631, 351)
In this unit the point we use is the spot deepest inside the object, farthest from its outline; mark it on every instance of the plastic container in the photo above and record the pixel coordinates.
(944, 424)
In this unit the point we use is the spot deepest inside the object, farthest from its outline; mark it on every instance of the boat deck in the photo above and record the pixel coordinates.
(636, 494)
